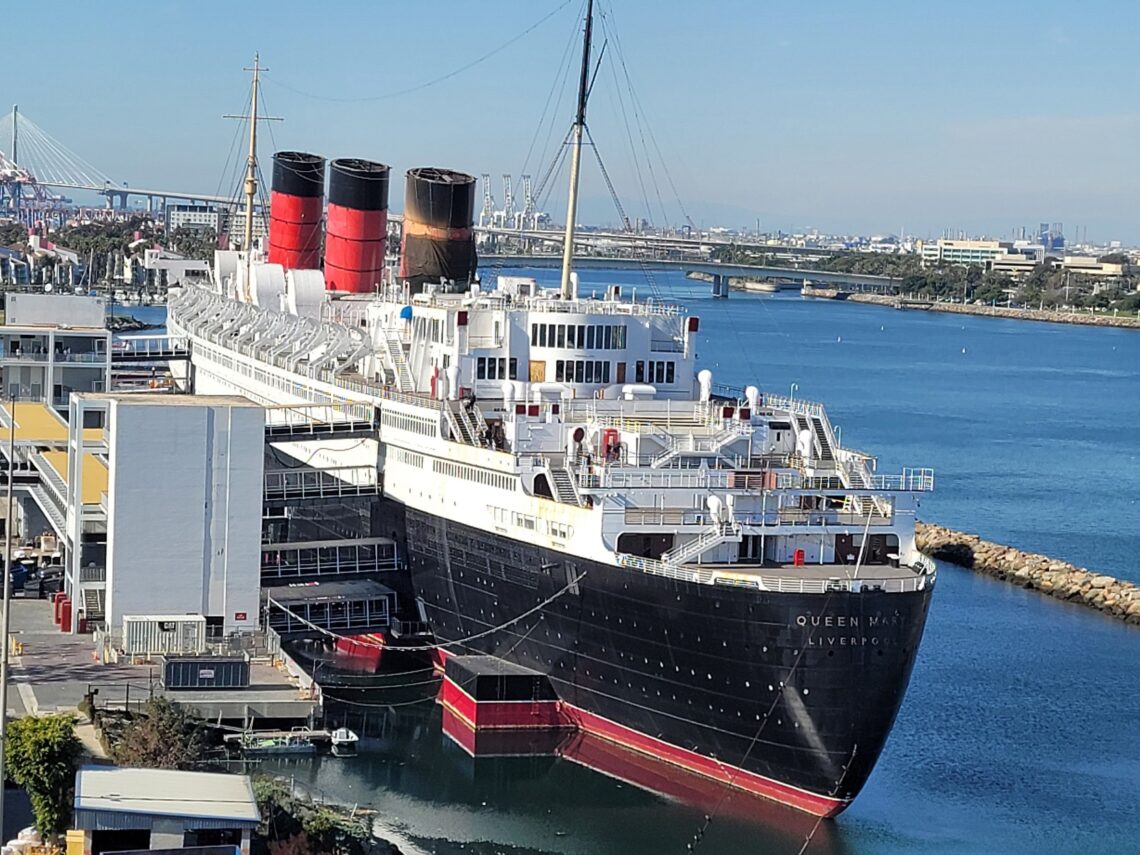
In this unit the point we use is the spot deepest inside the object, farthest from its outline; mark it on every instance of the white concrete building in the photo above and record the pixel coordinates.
(182, 507)
(52, 345)
(179, 269)
(196, 217)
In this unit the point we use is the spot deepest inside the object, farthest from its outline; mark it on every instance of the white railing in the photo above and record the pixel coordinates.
(793, 405)
(663, 478)
(789, 583)
(660, 568)
(307, 415)
(317, 483)
(718, 534)
(909, 481)
(542, 303)
(792, 584)
(151, 345)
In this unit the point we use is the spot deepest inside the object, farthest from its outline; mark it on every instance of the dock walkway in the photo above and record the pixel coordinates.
(55, 670)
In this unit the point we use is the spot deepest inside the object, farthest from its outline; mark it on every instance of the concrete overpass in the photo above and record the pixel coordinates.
(678, 242)
(721, 272)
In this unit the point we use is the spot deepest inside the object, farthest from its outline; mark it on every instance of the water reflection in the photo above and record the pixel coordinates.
(550, 793)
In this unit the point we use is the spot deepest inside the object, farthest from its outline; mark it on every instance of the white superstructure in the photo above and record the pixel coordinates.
(576, 424)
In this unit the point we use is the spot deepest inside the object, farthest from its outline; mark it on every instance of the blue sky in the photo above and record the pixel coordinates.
(866, 117)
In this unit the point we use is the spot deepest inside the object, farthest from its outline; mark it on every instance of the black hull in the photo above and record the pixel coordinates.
(799, 690)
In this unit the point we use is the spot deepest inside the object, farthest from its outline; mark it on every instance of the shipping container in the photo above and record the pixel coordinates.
(151, 635)
(205, 672)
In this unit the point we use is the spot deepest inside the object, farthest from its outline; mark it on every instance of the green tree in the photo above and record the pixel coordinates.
(42, 755)
(296, 826)
(165, 736)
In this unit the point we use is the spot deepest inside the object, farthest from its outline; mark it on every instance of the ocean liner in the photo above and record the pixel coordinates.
(704, 575)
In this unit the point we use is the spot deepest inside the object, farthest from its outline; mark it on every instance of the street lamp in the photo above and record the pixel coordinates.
(5, 621)
(792, 391)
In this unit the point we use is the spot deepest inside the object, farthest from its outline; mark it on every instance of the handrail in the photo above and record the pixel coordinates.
(714, 536)
(923, 578)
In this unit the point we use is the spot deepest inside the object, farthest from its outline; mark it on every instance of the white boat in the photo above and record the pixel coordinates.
(343, 742)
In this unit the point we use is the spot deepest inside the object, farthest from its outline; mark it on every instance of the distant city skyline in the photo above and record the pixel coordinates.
(849, 119)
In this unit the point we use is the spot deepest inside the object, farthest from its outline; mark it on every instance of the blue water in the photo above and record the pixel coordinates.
(1021, 730)
(1031, 428)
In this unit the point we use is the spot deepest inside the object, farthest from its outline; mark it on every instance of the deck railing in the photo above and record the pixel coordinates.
(789, 583)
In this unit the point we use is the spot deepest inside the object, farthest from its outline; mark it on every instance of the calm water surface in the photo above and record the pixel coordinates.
(1021, 729)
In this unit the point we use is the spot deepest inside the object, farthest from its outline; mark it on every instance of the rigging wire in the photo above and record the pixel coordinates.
(699, 836)
(222, 178)
(649, 277)
(561, 74)
(440, 646)
(300, 464)
(616, 93)
(432, 82)
(640, 110)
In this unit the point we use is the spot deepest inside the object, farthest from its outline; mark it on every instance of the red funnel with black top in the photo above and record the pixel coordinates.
(439, 241)
(356, 232)
(295, 209)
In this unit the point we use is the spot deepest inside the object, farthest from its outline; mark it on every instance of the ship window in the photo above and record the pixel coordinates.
(581, 336)
(514, 366)
(589, 371)
(533, 334)
(608, 338)
(561, 339)
(580, 371)
(481, 368)
(670, 372)
(660, 372)
(559, 370)
(639, 372)
(619, 338)
(502, 375)
(605, 372)
(542, 335)
(590, 331)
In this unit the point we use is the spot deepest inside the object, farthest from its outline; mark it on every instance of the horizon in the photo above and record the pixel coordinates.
(879, 120)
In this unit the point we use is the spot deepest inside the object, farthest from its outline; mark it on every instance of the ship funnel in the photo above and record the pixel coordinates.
(295, 210)
(439, 239)
(356, 234)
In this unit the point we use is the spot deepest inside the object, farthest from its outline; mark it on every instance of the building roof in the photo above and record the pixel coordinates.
(165, 399)
(166, 792)
(95, 477)
(39, 424)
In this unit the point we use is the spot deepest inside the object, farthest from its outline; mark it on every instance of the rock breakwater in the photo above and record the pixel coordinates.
(1047, 315)
(1058, 579)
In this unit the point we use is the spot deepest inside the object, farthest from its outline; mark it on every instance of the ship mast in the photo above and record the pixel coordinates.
(576, 153)
(251, 160)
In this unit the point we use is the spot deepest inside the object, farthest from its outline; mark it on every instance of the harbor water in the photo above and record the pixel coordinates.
(1020, 732)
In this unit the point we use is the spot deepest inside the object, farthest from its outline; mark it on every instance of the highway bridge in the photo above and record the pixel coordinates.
(45, 162)
(718, 270)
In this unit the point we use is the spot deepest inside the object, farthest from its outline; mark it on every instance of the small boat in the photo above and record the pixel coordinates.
(343, 742)
(256, 745)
